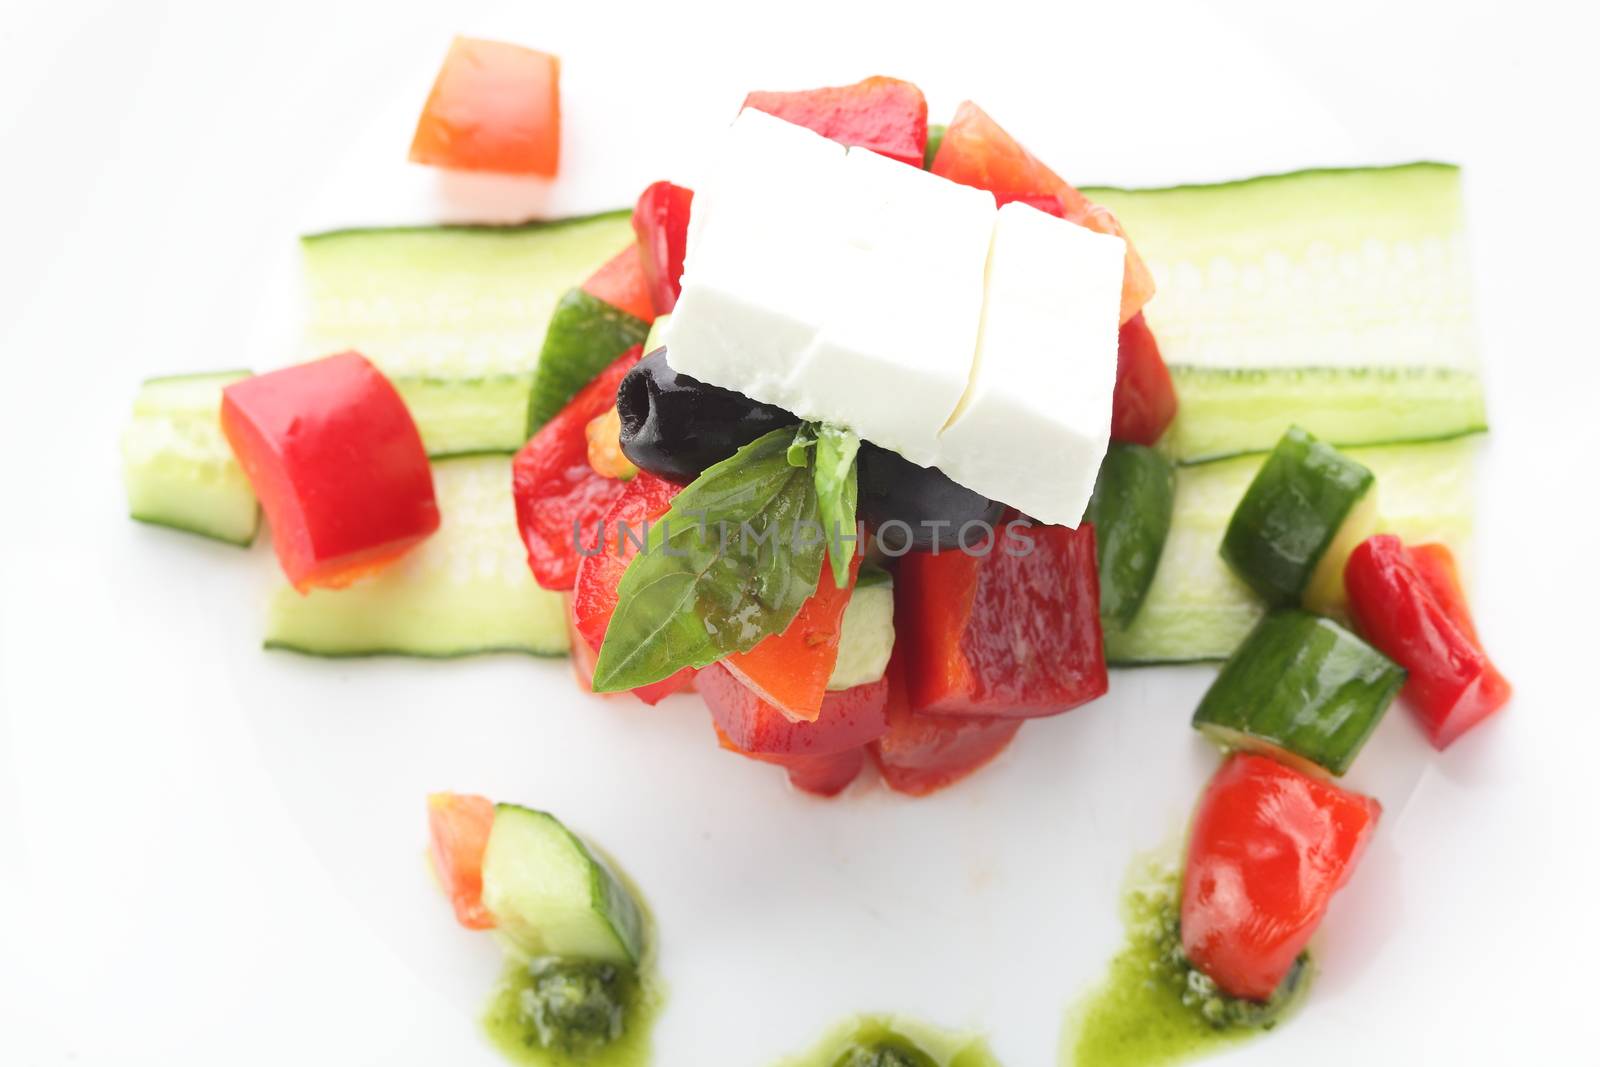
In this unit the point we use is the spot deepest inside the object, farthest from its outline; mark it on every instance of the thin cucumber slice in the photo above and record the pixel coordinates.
(176, 463)
(1300, 688)
(866, 634)
(1131, 511)
(1339, 300)
(454, 315)
(585, 336)
(463, 591)
(1197, 609)
(1306, 504)
(552, 895)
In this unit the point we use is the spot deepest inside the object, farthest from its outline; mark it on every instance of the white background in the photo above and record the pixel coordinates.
(210, 852)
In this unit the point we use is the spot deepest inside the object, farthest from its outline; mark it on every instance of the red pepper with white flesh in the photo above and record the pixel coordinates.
(621, 282)
(790, 670)
(1144, 402)
(1409, 604)
(1268, 848)
(338, 465)
(623, 526)
(1011, 634)
(976, 151)
(922, 754)
(555, 488)
(458, 834)
(494, 107)
(661, 223)
(887, 115)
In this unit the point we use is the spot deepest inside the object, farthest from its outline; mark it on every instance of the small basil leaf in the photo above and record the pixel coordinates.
(730, 563)
(804, 438)
(836, 496)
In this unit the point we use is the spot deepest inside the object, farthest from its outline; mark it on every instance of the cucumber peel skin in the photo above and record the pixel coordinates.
(1303, 689)
(553, 895)
(1131, 511)
(1292, 514)
(585, 336)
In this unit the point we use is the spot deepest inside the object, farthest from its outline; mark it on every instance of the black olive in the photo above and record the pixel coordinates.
(891, 491)
(675, 426)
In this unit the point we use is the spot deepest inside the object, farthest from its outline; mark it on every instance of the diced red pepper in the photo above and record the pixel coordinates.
(1144, 402)
(1451, 685)
(623, 527)
(887, 115)
(1437, 566)
(1268, 848)
(458, 833)
(976, 151)
(921, 754)
(661, 223)
(850, 718)
(338, 465)
(557, 492)
(791, 670)
(620, 282)
(494, 107)
(824, 775)
(1014, 633)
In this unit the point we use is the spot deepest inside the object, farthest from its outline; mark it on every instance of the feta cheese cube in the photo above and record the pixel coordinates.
(1035, 421)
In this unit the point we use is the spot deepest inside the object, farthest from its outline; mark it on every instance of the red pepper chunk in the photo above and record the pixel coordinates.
(823, 775)
(922, 754)
(338, 465)
(1011, 634)
(976, 151)
(887, 115)
(557, 492)
(1409, 604)
(458, 834)
(620, 282)
(609, 545)
(850, 718)
(791, 670)
(494, 107)
(1144, 402)
(1268, 848)
(661, 223)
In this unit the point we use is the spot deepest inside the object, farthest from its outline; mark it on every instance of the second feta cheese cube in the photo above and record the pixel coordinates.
(1036, 418)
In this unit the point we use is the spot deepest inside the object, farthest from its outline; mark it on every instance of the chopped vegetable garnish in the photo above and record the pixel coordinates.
(922, 754)
(661, 223)
(1409, 603)
(849, 718)
(458, 832)
(495, 107)
(337, 464)
(887, 115)
(1144, 402)
(621, 282)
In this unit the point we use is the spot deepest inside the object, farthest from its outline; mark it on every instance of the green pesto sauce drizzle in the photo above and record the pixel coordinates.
(892, 1041)
(555, 1013)
(1154, 1008)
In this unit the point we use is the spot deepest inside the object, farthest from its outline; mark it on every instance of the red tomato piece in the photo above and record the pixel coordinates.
(494, 107)
(1268, 848)
(609, 544)
(661, 222)
(887, 115)
(1436, 565)
(621, 283)
(976, 151)
(1451, 685)
(338, 465)
(849, 719)
(922, 754)
(557, 492)
(458, 833)
(1011, 634)
(1144, 402)
(791, 670)
(824, 775)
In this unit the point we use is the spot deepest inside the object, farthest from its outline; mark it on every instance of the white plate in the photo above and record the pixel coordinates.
(206, 849)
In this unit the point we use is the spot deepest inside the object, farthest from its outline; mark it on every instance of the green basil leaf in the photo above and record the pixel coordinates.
(836, 496)
(804, 438)
(730, 563)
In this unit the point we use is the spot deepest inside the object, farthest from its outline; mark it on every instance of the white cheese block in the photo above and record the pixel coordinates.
(1036, 418)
